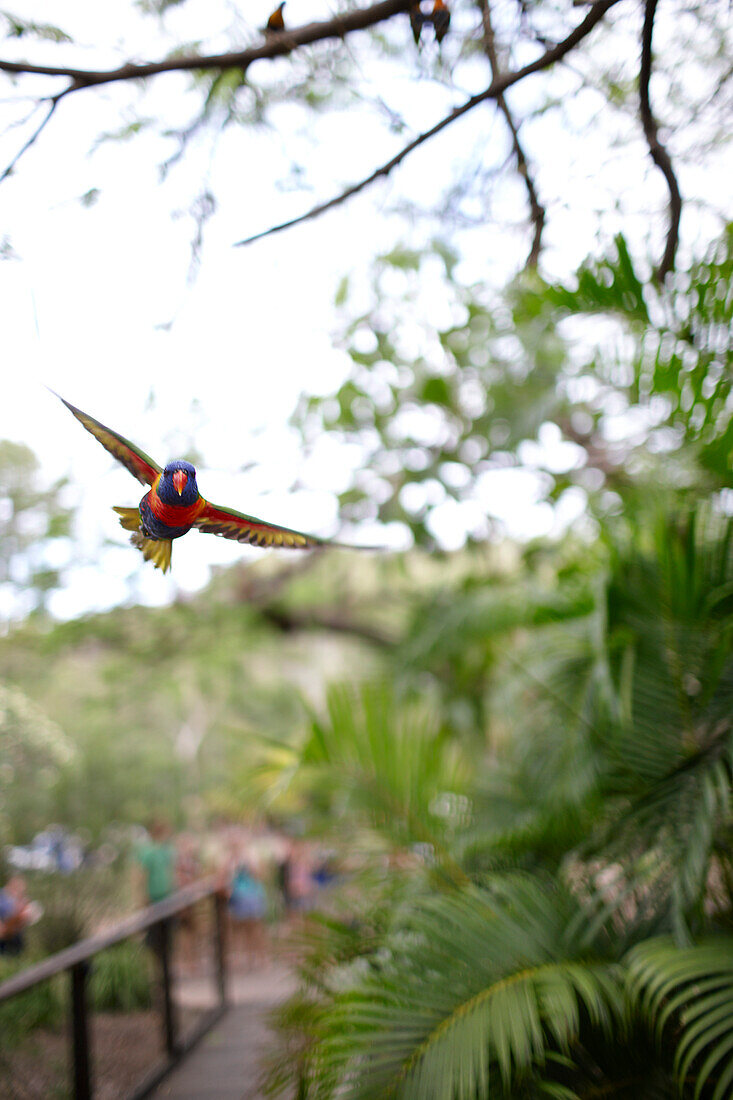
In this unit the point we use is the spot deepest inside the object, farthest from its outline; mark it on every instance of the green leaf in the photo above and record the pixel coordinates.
(405, 259)
(436, 391)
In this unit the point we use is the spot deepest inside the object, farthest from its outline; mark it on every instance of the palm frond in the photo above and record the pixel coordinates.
(386, 763)
(687, 993)
(448, 623)
(478, 991)
(666, 768)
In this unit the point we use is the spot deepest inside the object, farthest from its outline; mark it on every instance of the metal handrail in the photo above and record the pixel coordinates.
(77, 959)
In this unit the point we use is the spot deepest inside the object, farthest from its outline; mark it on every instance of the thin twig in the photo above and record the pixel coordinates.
(495, 89)
(17, 123)
(659, 154)
(276, 45)
(53, 104)
(536, 209)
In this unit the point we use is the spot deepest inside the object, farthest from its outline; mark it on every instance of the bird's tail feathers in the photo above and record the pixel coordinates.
(129, 518)
(158, 551)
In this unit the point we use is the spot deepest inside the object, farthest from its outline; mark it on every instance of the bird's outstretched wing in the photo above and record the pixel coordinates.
(136, 461)
(235, 525)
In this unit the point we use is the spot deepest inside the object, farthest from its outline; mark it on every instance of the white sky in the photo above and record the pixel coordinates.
(83, 305)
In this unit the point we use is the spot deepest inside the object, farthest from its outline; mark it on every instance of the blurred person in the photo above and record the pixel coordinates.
(247, 910)
(282, 876)
(188, 863)
(17, 911)
(296, 878)
(156, 862)
(188, 871)
(325, 871)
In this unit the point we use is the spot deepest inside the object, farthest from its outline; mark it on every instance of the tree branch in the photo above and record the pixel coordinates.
(53, 104)
(262, 592)
(659, 154)
(324, 619)
(494, 90)
(275, 45)
(536, 209)
(254, 588)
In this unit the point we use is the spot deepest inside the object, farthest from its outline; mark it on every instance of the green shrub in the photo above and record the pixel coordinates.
(44, 1005)
(119, 982)
(74, 905)
(120, 979)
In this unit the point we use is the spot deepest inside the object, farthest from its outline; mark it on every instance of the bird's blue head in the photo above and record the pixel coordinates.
(178, 485)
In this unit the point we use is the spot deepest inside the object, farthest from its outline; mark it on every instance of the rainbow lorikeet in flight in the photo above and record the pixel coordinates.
(173, 504)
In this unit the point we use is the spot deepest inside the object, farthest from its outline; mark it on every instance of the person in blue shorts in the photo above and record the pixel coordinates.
(247, 911)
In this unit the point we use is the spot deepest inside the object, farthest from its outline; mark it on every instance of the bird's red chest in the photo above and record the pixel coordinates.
(173, 515)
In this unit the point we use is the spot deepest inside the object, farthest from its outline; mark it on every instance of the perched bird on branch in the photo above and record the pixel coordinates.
(417, 19)
(173, 505)
(276, 21)
(440, 18)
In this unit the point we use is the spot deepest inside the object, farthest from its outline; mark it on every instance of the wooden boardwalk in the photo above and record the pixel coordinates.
(226, 1064)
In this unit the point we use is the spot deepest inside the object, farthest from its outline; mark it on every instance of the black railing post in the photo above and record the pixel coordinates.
(163, 937)
(80, 1032)
(220, 945)
(158, 922)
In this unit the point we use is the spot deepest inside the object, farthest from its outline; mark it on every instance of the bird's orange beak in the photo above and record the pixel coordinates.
(180, 477)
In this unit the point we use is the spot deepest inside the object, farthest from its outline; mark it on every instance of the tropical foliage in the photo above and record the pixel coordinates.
(543, 902)
(552, 894)
(158, 706)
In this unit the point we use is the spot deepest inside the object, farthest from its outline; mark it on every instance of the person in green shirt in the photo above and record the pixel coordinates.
(156, 859)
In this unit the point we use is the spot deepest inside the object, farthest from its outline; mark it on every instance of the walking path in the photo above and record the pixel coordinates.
(226, 1064)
